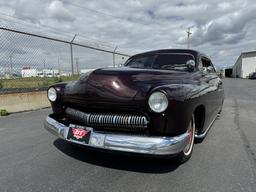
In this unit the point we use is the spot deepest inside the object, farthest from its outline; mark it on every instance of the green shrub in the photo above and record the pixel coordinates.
(45, 83)
(1, 85)
(58, 80)
(3, 112)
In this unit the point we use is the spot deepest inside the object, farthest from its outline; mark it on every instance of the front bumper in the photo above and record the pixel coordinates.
(150, 145)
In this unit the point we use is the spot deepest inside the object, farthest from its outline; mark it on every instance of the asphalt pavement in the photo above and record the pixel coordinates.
(31, 159)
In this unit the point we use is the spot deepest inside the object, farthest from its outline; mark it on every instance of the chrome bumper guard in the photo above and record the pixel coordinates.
(124, 142)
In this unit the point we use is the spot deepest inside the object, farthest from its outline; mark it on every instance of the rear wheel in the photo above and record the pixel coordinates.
(187, 151)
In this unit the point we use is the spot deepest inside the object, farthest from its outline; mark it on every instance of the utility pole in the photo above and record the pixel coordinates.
(189, 33)
(44, 62)
(114, 54)
(11, 56)
(71, 54)
(77, 70)
(59, 63)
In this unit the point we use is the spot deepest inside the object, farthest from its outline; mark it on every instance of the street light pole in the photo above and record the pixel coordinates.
(189, 33)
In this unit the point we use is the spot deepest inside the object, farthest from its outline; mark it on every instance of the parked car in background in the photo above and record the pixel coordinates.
(252, 76)
(156, 104)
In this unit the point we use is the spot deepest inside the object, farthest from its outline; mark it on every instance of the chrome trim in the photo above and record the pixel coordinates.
(127, 121)
(125, 142)
(202, 135)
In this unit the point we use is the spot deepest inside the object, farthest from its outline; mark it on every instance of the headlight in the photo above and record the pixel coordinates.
(158, 102)
(52, 94)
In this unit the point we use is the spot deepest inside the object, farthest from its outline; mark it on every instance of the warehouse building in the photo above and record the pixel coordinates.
(245, 65)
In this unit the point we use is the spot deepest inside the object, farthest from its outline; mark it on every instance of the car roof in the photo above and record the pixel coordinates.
(187, 51)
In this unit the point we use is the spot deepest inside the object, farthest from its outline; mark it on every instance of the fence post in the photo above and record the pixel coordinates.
(71, 54)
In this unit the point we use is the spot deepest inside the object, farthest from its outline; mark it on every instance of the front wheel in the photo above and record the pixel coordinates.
(187, 151)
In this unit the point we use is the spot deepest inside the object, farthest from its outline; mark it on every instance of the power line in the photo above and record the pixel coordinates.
(110, 45)
(63, 41)
(25, 23)
(105, 14)
(102, 43)
(57, 31)
(93, 10)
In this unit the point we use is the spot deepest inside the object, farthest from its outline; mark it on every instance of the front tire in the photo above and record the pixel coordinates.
(187, 151)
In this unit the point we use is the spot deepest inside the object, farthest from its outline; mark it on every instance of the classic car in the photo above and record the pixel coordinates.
(156, 104)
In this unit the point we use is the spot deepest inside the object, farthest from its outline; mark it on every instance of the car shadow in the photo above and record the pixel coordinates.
(116, 160)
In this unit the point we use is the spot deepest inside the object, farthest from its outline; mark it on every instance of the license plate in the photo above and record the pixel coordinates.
(79, 133)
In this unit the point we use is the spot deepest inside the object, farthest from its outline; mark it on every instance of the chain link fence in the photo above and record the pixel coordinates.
(30, 62)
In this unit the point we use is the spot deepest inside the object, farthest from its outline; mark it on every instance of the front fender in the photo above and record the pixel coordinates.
(181, 92)
(183, 99)
(57, 105)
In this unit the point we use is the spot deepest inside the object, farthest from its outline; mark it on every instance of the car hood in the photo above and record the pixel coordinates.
(122, 84)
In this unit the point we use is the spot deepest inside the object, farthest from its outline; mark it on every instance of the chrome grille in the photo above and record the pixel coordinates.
(109, 120)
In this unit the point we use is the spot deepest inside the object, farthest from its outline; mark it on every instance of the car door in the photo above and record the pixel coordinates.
(214, 91)
(217, 84)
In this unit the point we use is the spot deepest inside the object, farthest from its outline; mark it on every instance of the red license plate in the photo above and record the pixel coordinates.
(79, 133)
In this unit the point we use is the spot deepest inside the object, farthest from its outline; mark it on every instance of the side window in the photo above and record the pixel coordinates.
(141, 62)
(213, 68)
(207, 65)
(205, 62)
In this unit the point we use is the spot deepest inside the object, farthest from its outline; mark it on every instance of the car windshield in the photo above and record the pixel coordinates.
(161, 61)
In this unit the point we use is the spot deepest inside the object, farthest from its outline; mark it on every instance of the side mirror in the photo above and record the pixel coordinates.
(191, 65)
(209, 69)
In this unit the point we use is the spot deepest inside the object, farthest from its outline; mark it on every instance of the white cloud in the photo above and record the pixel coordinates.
(224, 6)
(58, 11)
(138, 25)
(31, 10)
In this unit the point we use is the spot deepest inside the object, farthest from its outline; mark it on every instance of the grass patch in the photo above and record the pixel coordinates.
(33, 82)
(3, 112)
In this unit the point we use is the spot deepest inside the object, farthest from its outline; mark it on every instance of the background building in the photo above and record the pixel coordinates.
(245, 65)
(228, 72)
(27, 72)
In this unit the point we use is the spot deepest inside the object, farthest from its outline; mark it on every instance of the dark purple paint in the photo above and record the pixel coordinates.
(127, 90)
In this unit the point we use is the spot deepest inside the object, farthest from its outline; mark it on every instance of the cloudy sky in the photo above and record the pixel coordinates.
(221, 29)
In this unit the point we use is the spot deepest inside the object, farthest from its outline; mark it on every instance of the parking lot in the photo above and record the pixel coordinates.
(31, 159)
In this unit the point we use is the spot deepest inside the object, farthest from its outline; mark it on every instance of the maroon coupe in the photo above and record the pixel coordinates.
(156, 104)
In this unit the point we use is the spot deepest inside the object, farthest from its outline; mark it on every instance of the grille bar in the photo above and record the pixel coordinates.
(125, 121)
